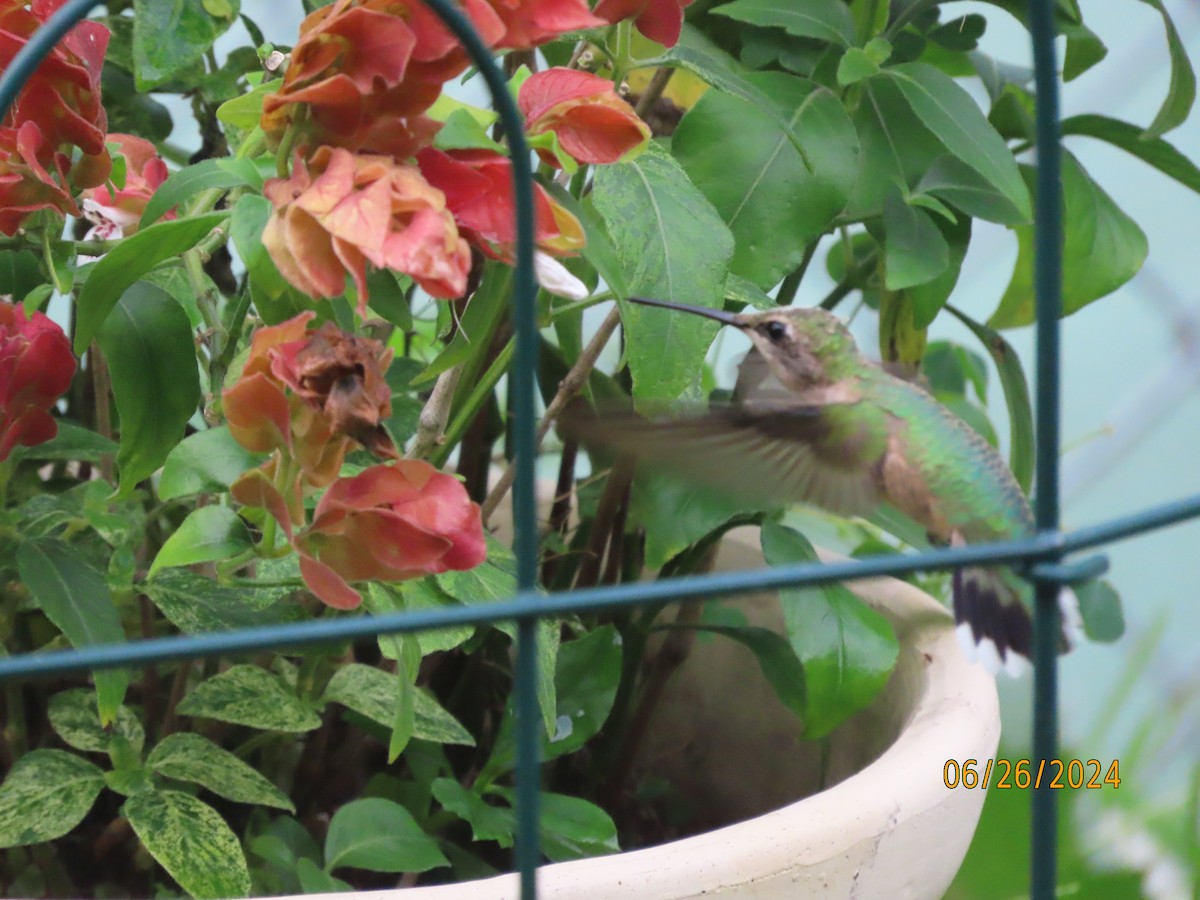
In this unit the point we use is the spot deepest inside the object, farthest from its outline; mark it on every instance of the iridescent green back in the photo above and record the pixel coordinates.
(975, 490)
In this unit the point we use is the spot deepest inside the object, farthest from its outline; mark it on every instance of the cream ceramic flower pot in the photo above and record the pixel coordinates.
(888, 827)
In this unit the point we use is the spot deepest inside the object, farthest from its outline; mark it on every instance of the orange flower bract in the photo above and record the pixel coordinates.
(389, 523)
(341, 210)
(659, 20)
(478, 190)
(592, 123)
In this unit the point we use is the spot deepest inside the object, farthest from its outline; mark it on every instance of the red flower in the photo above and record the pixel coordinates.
(478, 188)
(36, 367)
(531, 23)
(342, 210)
(116, 215)
(659, 20)
(388, 523)
(592, 123)
(57, 111)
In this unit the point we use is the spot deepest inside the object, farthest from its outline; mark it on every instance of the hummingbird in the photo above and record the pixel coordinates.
(812, 420)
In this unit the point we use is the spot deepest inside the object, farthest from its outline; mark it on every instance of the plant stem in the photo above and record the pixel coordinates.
(791, 284)
(621, 55)
(850, 283)
(101, 388)
(571, 385)
(22, 241)
(616, 490)
(653, 92)
(287, 141)
(473, 403)
(178, 686)
(674, 650)
(431, 424)
(560, 509)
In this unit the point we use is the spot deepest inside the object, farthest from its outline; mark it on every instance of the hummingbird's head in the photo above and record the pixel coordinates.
(804, 347)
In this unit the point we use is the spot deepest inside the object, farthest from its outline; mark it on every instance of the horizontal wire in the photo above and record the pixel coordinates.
(524, 604)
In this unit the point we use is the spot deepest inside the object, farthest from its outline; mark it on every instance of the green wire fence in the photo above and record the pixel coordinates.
(1039, 557)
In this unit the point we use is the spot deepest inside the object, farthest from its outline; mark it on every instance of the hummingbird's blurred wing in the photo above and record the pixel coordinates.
(776, 455)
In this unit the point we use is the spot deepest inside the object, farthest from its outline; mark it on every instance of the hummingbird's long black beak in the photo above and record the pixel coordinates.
(725, 318)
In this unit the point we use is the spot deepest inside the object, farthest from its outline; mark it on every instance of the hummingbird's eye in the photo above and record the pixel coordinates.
(776, 330)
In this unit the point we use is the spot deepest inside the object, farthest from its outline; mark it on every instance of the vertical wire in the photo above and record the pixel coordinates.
(1048, 284)
(525, 364)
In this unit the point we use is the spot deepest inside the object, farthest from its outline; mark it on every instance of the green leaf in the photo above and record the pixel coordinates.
(45, 795)
(574, 828)
(854, 66)
(1084, 49)
(570, 827)
(825, 20)
(599, 249)
(673, 246)
(948, 111)
(75, 718)
(248, 695)
(487, 822)
(171, 35)
(380, 836)
(195, 604)
(204, 462)
(173, 278)
(494, 580)
(739, 290)
(950, 367)
(121, 266)
(895, 148)
(191, 841)
(128, 111)
(915, 251)
(696, 53)
(274, 299)
(403, 714)
(1016, 398)
(190, 757)
(588, 673)
(848, 649)
(474, 333)
(954, 181)
(318, 881)
(1100, 607)
(1182, 91)
(417, 594)
(929, 298)
(71, 442)
(778, 661)
(676, 513)
(1155, 152)
(745, 164)
(1102, 249)
(151, 356)
(373, 693)
(75, 598)
(245, 111)
(204, 175)
(20, 273)
(208, 533)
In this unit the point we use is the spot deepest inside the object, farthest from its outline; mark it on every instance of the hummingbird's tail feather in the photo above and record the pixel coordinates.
(995, 627)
